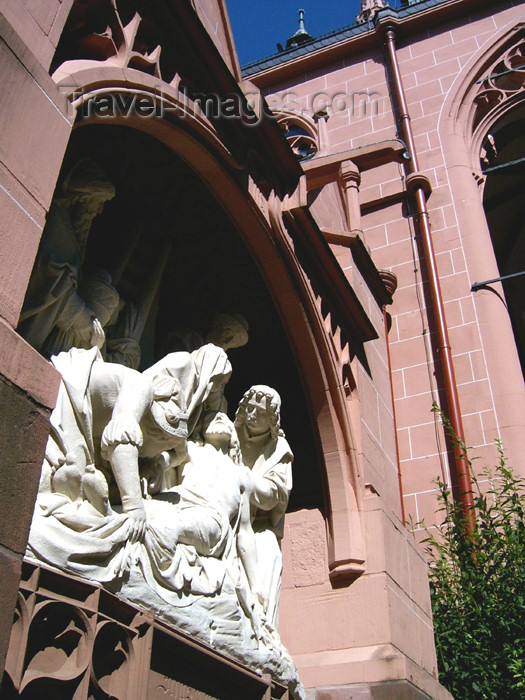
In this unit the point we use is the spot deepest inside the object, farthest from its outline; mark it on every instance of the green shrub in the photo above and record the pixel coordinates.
(477, 586)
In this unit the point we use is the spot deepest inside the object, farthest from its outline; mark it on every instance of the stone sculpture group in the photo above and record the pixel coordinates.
(148, 487)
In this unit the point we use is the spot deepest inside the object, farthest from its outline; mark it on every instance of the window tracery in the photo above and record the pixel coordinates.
(504, 79)
(300, 134)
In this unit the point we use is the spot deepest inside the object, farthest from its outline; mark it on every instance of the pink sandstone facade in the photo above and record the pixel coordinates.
(441, 70)
(322, 237)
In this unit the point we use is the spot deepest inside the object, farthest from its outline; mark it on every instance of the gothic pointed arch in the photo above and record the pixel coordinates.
(483, 112)
(300, 132)
(491, 84)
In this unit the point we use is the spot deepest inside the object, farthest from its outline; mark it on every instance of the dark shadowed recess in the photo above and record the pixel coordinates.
(163, 213)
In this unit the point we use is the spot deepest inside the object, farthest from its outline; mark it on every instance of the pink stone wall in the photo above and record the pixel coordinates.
(432, 64)
(35, 131)
(214, 17)
(378, 629)
(38, 25)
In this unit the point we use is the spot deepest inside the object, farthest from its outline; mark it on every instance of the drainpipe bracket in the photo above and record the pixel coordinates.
(386, 18)
(417, 181)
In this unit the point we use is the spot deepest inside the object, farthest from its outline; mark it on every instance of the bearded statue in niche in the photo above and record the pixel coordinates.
(62, 308)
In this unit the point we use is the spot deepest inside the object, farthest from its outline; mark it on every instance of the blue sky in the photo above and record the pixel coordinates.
(258, 26)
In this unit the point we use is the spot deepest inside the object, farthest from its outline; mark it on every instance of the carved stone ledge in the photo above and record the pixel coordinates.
(363, 261)
(343, 573)
(325, 168)
(82, 641)
(389, 280)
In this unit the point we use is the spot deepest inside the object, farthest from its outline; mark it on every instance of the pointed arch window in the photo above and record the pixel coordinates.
(503, 163)
(300, 132)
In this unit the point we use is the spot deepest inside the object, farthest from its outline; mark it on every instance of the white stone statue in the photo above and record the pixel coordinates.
(110, 416)
(229, 330)
(209, 511)
(61, 309)
(122, 345)
(143, 489)
(266, 452)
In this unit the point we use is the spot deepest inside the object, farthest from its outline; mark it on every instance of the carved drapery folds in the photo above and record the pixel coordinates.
(70, 304)
(77, 490)
(149, 489)
(118, 37)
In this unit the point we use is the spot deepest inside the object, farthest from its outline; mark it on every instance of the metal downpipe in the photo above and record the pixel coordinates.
(423, 226)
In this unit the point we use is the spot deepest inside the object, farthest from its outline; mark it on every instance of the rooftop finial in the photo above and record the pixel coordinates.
(301, 21)
(301, 35)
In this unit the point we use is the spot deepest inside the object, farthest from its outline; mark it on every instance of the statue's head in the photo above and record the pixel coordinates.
(260, 411)
(88, 185)
(169, 406)
(229, 330)
(221, 431)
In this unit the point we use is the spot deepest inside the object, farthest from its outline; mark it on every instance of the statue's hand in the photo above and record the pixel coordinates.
(97, 336)
(83, 328)
(88, 330)
(122, 430)
(136, 524)
(258, 620)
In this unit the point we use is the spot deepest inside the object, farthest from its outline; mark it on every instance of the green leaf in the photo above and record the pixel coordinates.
(477, 586)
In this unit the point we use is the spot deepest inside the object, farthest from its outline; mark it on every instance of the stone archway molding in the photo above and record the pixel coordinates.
(184, 128)
(475, 101)
(473, 104)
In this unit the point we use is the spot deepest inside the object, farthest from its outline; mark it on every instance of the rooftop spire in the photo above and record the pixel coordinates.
(301, 35)
(301, 29)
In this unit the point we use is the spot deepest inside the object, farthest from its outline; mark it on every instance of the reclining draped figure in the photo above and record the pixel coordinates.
(147, 488)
